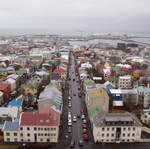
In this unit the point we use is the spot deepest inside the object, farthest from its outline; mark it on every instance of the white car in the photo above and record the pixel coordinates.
(74, 118)
(82, 116)
(69, 122)
(69, 105)
(69, 116)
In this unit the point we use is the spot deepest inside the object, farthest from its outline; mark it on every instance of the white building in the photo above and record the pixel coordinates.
(125, 82)
(116, 127)
(145, 117)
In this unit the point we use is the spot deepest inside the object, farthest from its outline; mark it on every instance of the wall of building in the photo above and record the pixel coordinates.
(108, 133)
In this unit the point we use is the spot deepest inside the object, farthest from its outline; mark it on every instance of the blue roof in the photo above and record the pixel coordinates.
(15, 103)
(11, 125)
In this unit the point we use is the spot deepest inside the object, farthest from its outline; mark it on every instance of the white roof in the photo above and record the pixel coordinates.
(124, 77)
(118, 103)
(123, 91)
(10, 80)
(9, 111)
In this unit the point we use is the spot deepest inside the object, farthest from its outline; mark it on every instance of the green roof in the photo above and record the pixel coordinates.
(94, 111)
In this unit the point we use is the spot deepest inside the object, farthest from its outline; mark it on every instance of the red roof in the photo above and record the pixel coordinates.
(40, 119)
(60, 70)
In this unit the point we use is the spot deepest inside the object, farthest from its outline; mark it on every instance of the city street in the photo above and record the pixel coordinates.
(77, 106)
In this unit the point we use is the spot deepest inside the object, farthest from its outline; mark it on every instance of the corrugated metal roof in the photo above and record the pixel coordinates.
(14, 126)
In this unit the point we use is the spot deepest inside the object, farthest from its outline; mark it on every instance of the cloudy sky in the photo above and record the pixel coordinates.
(91, 15)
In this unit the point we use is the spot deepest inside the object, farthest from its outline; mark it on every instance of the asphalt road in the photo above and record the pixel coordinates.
(76, 106)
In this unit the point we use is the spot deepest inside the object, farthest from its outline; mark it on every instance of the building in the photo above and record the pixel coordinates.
(144, 96)
(39, 127)
(145, 117)
(129, 96)
(125, 82)
(96, 99)
(116, 127)
(50, 97)
(11, 131)
(16, 103)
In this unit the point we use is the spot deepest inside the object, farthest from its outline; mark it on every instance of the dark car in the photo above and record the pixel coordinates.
(80, 143)
(72, 145)
(73, 79)
(69, 130)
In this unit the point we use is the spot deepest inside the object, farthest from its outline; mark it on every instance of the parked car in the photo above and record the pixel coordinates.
(84, 121)
(84, 130)
(85, 137)
(84, 126)
(82, 116)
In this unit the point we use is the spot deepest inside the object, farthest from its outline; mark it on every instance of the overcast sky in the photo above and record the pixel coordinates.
(93, 15)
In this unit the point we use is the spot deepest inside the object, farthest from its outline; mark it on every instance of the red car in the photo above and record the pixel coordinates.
(85, 137)
(78, 115)
(84, 126)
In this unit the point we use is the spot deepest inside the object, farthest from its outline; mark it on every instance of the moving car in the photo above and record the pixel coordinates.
(69, 129)
(74, 118)
(78, 115)
(72, 145)
(69, 105)
(80, 143)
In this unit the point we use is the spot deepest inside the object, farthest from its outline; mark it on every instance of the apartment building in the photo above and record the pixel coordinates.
(125, 82)
(116, 127)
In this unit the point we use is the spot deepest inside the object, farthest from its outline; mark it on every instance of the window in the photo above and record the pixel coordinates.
(51, 134)
(48, 140)
(28, 128)
(45, 134)
(21, 134)
(112, 135)
(54, 129)
(21, 128)
(15, 134)
(107, 134)
(45, 129)
(15, 139)
(8, 139)
(103, 129)
(39, 134)
(113, 128)
(21, 140)
(41, 140)
(124, 128)
(129, 128)
(128, 134)
(102, 134)
(54, 134)
(35, 128)
(48, 134)
(123, 134)
(39, 129)
(48, 129)
(133, 128)
(28, 140)
(28, 135)
(133, 135)
(107, 129)
(7, 134)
